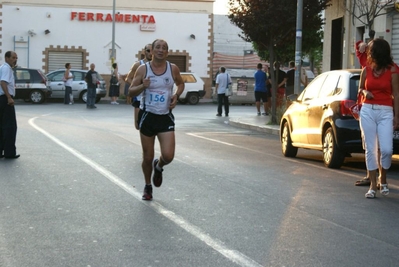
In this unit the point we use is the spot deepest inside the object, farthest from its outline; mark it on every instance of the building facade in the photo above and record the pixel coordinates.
(47, 34)
(342, 30)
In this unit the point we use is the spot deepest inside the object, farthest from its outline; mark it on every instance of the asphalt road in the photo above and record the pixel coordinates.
(228, 199)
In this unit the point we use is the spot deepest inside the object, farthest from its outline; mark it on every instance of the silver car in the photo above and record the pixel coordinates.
(79, 85)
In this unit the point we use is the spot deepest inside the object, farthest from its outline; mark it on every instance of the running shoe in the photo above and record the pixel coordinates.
(157, 175)
(147, 195)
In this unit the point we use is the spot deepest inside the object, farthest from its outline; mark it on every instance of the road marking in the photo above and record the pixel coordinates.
(338, 171)
(232, 255)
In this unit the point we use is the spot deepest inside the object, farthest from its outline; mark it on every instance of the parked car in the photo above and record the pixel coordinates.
(194, 88)
(79, 85)
(320, 119)
(31, 85)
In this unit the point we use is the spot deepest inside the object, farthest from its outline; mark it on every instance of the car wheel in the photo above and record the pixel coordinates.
(83, 96)
(286, 143)
(36, 96)
(332, 156)
(193, 98)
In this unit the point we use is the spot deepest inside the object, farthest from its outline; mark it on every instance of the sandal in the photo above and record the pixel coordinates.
(363, 182)
(384, 190)
(370, 194)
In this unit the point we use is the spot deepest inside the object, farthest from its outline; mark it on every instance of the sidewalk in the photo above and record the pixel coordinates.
(256, 123)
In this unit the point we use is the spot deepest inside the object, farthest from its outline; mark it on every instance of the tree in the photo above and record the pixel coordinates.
(271, 26)
(366, 11)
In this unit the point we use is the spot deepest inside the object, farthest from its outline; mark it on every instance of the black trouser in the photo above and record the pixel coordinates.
(222, 98)
(8, 128)
(68, 93)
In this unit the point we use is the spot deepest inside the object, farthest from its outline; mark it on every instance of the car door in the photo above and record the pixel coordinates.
(319, 108)
(57, 84)
(78, 84)
(308, 98)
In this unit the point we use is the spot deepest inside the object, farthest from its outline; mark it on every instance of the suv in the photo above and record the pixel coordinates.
(194, 88)
(320, 119)
(31, 85)
(79, 85)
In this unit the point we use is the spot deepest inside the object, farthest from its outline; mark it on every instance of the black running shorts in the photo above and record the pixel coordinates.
(151, 124)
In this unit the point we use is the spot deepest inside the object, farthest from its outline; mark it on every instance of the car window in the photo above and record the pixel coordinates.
(188, 78)
(354, 87)
(22, 76)
(78, 75)
(312, 90)
(329, 85)
(56, 76)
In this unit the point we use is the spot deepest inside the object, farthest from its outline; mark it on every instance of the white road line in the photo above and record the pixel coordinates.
(338, 171)
(232, 255)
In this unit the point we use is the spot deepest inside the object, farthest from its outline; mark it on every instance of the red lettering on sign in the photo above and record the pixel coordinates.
(73, 15)
(151, 19)
(99, 17)
(108, 18)
(128, 18)
(136, 18)
(118, 17)
(90, 17)
(81, 16)
(144, 18)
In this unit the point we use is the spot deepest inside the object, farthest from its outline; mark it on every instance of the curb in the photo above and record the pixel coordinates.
(272, 129)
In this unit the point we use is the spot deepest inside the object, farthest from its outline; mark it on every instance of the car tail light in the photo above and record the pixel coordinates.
(344, 107)
(44, 79)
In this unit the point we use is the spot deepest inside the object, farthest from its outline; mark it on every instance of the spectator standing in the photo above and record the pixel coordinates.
(114, 85)
(281, 77)
(290, 79)
(378, 82)
(129, 78)
(260, 89)
(155, 81)
(222, 82)
(68, 79)
(8, 121)
(91, 79)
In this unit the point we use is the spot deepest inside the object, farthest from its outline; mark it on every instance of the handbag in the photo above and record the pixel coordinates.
(228, 91)
(114, 80)
(355, 109)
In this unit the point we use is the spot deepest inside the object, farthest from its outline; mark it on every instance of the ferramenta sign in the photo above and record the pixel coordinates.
(101, 17)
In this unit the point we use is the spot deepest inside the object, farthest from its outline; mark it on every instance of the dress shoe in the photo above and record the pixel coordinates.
(13, 157)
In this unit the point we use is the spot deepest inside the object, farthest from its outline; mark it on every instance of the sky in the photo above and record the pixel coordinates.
(220, 7)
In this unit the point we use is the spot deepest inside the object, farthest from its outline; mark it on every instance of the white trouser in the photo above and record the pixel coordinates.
(376, 124)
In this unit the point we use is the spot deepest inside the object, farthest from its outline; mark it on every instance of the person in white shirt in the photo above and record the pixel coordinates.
(68, 79)
(222, 82)
(8, 121)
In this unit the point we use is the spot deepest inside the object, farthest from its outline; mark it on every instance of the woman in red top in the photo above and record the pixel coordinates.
(378, 82)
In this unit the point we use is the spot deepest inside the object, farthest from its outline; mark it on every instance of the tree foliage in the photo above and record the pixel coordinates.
(271, 22)
(271, 26)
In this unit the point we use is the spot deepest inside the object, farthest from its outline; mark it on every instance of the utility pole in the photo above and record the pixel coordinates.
(298, 46)
(113, 34)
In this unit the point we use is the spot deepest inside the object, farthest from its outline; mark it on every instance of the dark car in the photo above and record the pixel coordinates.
(31, 85)
(320, 119)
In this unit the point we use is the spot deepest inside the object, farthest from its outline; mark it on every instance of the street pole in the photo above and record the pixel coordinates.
(113, 34)
(298, 46)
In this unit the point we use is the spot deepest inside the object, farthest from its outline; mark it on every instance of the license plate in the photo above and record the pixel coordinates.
(395, 134)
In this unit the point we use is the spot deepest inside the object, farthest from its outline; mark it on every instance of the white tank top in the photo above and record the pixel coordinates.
(157, 97)
(69, 81)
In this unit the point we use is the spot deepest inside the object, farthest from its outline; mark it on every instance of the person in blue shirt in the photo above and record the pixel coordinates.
(260, 89)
